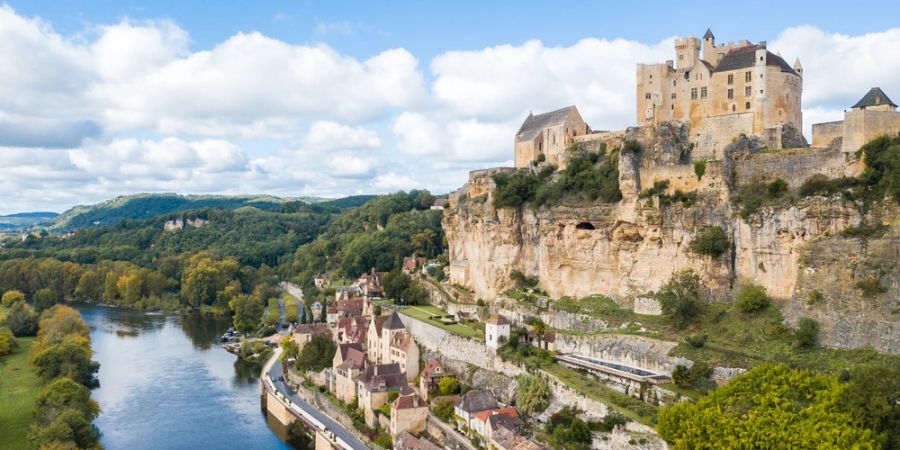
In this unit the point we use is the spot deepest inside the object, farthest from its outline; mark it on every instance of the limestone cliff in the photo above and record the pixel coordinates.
(631, 248)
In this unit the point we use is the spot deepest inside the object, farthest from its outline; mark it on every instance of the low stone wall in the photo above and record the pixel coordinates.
(711, 135)
(793, 165)
(823, 134)
(682, 177)
(637, 351)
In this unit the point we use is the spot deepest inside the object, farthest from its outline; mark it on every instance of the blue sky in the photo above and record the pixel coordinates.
(298, 98)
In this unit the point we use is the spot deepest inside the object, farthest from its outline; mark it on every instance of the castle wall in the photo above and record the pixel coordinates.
(682, 177)
(861, 126)
(823, 134)
(794, 165)
(712, 134)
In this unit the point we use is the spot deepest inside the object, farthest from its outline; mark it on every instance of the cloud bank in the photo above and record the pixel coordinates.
(129, 107)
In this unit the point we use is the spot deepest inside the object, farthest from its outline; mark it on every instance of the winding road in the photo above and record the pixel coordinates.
(276, 372)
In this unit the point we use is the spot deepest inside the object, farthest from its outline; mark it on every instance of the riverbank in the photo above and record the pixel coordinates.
(19, 388)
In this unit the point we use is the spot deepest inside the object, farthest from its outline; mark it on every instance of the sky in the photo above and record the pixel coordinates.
(304, 98)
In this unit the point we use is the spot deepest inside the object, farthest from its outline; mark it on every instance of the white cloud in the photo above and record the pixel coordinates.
(128, 107)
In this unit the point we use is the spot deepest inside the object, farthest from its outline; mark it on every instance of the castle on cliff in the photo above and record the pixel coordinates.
(719, 91)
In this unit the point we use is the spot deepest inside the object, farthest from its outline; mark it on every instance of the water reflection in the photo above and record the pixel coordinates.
(165, 383)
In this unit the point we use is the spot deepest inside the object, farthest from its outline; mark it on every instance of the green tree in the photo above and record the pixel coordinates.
(423, 242)
(290, 350)
(247, 310)
(63, 414)
(448, 385)
(873, 395)
(568, 432)
(699, 169)
(771, 406)
(532, 394)
(22, 320)
(751, 298)
(43, 299)
(70, 358)
(8, 341)
(443, 409)
(90, 286)
(10, 298)
(680, 297)
(316, 354)
(395, 284)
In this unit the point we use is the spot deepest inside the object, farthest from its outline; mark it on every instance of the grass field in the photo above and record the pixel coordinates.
(19, 387)
(424, 313)
(290, 307)
(272, 313)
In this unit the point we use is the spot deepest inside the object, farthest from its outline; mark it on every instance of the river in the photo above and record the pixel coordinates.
(165, 383)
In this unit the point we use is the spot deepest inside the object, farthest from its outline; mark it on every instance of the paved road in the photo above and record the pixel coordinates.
(276, 371)
(281, 322)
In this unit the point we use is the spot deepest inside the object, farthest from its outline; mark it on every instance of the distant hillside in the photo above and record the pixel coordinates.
(145, 206)
(25, 220)
(353, 201)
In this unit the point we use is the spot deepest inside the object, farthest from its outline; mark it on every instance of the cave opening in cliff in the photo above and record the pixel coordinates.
(585, 226)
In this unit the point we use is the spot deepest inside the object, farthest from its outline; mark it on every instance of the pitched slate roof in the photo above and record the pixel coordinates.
(477, 401)
(409, 402)
(497, 319)
(393, 322)
(708, 34)
(534, 124)
(406, 441)
(874, 97)
(388, 376)
(344, 348)
(743, 57)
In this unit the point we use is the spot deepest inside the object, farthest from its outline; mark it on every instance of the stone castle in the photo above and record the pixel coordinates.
(719, 92)
(743, 127)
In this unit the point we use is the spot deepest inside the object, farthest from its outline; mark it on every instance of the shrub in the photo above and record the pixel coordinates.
(697, 340)
(540, 158)
(814, 297)
(43, 299)
(680, 297)
(443, 409)
(865, 231)
(712, 241)
(807, 333)
(700, 169)
(882, 174)
(8, 341)
(22, 320)
(383, 440)
(532, 394)
(12, 297)
(659, 187)
(448, 385)
(514, 190)
(697, 376)
(777, 188)
(870, 287)
(751, 298)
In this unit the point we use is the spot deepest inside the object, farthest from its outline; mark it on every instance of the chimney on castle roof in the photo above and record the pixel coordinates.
(797, 67)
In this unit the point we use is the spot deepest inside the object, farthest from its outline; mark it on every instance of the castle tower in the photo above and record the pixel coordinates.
(687, 52)
(709, 44)
(797, 67)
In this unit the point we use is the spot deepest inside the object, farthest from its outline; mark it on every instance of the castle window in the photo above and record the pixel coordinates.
(748, 91)
(674, 82)
(672, 107)
(748, 76)
(760, 91)
(730, 93)
(647, 96)
(747, 105)
(703, 92)
(760, 58)
(673, 96)
(731, 79)
(693, 93)
(733, 108)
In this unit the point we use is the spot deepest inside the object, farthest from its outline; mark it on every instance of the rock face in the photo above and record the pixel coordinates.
(631, 248)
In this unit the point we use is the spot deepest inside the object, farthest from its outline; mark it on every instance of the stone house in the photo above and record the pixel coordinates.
(430, 376)
(370, 284)
(412, 263)
(730, 89)
(351, 329)
(316, 310)
(485, 423)
(404, 351)
(875, 114)
(406, 441)
(303, 333)
(408, 413)
(506, 439)
(374, 385)
(496, 331)
(349, 361)
(548, 134)
(382, 331)
(471, 403)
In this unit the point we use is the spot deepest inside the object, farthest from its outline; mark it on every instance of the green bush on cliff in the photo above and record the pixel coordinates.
(712, 241)
(680, 297)
(751, 298)
(882, 174)
(591, 177)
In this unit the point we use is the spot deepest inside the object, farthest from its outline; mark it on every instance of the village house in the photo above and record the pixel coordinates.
(430, 376)
(320, 281)
(370, 284)
(303, 333)
(316, 310)
(374, 385)
(408, 413)
(351, 329)
(471, 403)
(506, 439)
(496, 331)
(406, 441)
(412, 263)
(349, 361)
(344, 308)
(485, 423)
(404, 351)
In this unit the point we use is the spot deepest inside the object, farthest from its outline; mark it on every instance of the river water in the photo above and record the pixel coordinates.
(165, 383)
